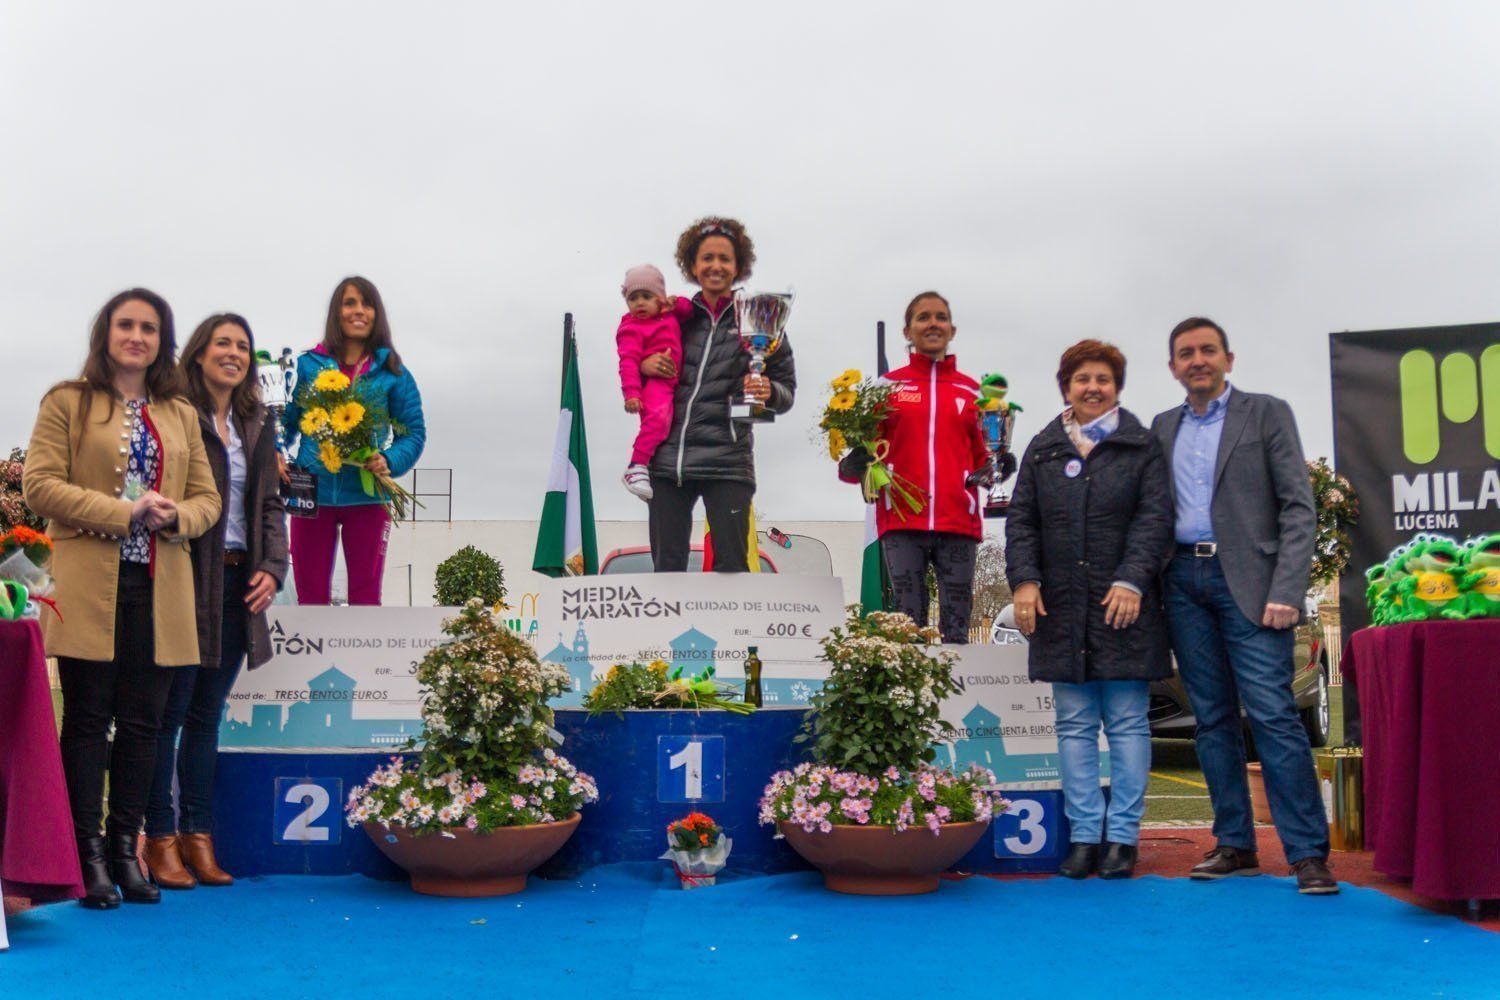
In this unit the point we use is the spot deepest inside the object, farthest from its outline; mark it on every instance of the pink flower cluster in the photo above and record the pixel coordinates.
(816, 797)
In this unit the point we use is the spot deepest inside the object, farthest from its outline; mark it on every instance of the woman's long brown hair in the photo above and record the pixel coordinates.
(244, 400)
(380, 333)
(98, 375)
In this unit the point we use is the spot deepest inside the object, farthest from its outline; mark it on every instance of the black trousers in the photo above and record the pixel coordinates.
(130, 691)
(194, 708)
(907, 556)
(727, 504)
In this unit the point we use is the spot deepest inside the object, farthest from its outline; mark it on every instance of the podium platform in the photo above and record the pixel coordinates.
(339, 696)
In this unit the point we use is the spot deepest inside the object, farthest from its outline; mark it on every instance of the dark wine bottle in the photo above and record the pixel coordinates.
(752, 678)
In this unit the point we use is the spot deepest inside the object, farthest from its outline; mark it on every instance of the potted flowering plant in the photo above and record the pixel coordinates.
(487, 799)
(13, 509)
(24, 555)
(872, 811)
(698, 850)
(1337, 506)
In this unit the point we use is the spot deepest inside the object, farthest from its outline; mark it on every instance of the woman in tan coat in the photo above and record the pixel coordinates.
(117, 466)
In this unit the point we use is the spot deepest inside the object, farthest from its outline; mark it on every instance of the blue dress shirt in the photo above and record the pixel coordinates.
(1194, 456)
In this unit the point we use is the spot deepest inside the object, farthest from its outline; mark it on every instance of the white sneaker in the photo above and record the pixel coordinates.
(638, 481)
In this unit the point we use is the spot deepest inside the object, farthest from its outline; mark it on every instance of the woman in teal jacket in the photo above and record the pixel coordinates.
(356, 341)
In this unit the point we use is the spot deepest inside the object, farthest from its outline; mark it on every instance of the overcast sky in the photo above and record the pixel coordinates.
(1058, 170)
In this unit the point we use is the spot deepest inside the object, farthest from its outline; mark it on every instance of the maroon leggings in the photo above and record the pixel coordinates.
(365, 528)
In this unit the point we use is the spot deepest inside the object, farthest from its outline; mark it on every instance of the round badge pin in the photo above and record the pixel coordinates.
(1073, 468)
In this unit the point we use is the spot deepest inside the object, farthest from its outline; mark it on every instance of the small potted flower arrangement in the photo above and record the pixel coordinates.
(872, 811)
(24, 555)
(488, 799)
(698, 850)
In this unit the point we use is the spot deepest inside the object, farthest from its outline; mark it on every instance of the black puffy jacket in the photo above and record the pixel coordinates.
(704, 443)
(1111, 520)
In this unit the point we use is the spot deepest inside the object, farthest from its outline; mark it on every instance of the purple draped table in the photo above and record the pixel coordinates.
(38, 857)
(1429, 697)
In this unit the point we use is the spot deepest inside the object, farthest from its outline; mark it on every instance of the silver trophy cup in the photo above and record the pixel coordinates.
(761, 318)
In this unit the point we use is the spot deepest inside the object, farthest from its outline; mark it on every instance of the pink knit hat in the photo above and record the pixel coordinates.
(644, 278)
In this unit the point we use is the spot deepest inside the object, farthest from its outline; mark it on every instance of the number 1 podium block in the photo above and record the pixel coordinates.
(653, 767)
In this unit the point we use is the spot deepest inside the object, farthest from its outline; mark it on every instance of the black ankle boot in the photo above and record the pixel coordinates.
(98, 888)
(1081, 861)
(1118, 861)
(127, 870)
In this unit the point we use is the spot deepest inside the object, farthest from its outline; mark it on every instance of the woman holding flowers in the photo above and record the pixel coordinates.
(917, 468)
(1087, 537)
(238, 566)
(706, 455)
(358, 415)
(117, 467)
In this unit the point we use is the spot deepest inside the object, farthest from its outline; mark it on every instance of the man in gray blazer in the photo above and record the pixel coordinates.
(1235, 590)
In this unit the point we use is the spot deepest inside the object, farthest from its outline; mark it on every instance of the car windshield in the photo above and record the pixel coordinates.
(640, 562)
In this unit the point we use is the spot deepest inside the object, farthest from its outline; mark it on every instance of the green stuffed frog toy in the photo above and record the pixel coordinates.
(1389, 606)
(1376, 586)
(1431, 587)
(1481, 564)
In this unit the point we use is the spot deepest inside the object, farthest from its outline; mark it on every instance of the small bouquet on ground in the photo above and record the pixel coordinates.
(698, 850)
(657, 685)
(851, 420)
(348, 427)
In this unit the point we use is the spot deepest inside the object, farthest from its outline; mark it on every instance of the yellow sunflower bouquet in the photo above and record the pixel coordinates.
(348, 428)
(852, 419)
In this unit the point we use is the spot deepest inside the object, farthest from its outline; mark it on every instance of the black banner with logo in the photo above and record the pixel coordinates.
(1416, 431)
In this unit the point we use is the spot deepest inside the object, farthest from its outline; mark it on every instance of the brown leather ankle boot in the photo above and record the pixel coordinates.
(165, 862)
(198, 854)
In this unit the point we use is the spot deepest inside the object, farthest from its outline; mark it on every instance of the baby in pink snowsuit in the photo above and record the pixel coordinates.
(651, 327)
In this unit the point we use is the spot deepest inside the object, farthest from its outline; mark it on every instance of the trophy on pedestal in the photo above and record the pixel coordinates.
(997, 418)
(761, 318)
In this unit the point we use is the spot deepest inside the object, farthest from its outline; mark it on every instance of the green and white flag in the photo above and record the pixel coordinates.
(565, 542)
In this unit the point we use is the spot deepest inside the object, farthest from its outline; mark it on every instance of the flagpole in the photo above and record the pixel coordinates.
(566, 541)
(875, 585)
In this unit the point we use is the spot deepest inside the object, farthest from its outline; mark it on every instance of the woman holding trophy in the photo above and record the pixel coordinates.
(932, 434)
(709, 454)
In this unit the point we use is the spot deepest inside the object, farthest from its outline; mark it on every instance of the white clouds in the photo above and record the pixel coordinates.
(1060, 171)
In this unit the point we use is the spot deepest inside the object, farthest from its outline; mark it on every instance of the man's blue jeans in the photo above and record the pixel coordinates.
(1121, 707)
(1225, 660)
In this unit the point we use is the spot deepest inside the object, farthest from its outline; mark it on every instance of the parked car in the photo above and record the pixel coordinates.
(1171, 716)
(780, 552)
(637, 559)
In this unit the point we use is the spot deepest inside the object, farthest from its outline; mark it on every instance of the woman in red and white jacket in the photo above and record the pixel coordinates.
(935, 442)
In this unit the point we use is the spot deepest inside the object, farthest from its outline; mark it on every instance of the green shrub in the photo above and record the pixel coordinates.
(469, 573)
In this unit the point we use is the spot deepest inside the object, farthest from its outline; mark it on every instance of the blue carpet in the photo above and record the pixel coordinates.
(624, 931)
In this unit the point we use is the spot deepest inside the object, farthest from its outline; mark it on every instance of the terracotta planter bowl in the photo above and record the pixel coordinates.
(471, 864)
(878, 861)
